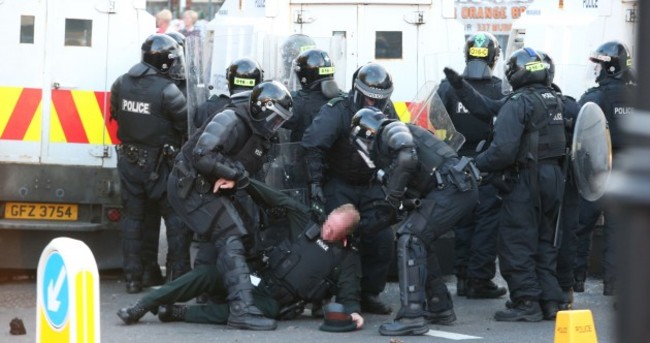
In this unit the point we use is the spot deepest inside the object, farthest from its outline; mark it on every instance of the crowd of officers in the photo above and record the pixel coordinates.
(378, 189)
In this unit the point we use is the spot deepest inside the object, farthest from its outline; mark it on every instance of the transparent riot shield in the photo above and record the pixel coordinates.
(591, 152)
(428, 111)
(286, 170)
(197, 54)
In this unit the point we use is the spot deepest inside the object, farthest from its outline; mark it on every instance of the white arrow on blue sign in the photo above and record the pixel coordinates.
(55, 290)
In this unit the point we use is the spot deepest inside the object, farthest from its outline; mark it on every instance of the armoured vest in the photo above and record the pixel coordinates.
(252, 153)
(546, 121)
(306, 269)
(432, 155)
(140, 113)
(616, 106)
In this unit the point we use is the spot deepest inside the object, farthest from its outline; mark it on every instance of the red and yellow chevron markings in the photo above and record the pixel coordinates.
(76, 116)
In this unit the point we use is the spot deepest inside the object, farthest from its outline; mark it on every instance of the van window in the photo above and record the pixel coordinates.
(388, 44)
(78, 32)
(27, 29)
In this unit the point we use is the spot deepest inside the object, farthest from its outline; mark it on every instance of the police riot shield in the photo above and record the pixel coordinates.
(285, 170)
(428, 111)
(197, 54)
(591, 152)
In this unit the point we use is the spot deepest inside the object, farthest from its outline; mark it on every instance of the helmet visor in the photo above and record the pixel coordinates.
(177, 71)
(276, 119)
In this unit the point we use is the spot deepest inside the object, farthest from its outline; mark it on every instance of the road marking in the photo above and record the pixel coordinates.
(450, 335)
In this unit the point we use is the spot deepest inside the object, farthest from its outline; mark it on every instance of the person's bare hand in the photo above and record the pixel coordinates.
(357, 319)
(222, 183)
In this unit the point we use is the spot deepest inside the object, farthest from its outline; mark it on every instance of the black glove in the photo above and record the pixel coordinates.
(454, 79)
(317, 198)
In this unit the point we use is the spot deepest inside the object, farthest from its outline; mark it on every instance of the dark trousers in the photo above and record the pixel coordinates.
(204, 279)
(376, 247)
(589, 214)
(476, 237)
(568, 238)
(527, 258)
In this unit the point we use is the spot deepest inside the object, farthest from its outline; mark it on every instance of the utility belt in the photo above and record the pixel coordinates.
(505, 180)
(143, 155)
(464, 175)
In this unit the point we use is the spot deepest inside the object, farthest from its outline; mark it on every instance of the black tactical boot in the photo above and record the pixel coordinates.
(484, 289)
(580, 278)
(440, 310)
(171, 313)
(236, 275)
(404, 327)
(609, 288)
(549, 309)
(567, 300)
(370, 303)
(131, 315)
(133, 284)
(317, 309)
(521, 310)
(152, 275)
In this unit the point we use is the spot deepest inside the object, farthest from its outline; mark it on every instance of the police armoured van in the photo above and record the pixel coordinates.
(413, 39)
(569, 31)
(57, 156)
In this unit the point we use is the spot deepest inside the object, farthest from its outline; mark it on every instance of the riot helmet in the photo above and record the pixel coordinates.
(481, 53)
(270, 105)
(291, 48)
(366, 123)
(548, 63)
(313, 65)
(243, 74)
(373, 86)
(162, 53)
(178, 37)
(525, 67)
(612, 59)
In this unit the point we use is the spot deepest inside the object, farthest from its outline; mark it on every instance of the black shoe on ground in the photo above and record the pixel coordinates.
(567, 301)
(446, 317)
(521, 310)
(133, 286)
(549, 309)
(404, 327)
(131, 315)
(608, 288)
(371, 303)
(249, 318)
(579, 285)
(171, 313)
(152, 276)
(484, 289)
(317, 309)
(461, 286)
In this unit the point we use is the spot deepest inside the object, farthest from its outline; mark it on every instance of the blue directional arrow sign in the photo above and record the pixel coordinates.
(55, 290)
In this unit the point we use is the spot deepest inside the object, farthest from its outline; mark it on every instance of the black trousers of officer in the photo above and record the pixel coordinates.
(137, 189)
(439, 212)
(204, 279)
(375, 248)
(476, 237)
(527, 258)
(568, 238)
(589, 214)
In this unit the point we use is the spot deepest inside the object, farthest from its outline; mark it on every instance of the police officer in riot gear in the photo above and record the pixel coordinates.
(224, 152)
(337, 174)
(433, 201)
(312, 266)
(151, 114)
(315, 71)
(526, 152)
(476, 234)
(242, 75)
(615, 80)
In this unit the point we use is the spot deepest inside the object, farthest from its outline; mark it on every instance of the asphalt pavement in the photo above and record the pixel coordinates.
(475, 322)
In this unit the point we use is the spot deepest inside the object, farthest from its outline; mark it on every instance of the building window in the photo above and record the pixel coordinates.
(388, 44)
(78, 32)
(27, 29)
